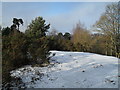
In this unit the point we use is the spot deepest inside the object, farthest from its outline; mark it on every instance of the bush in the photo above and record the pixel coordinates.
(14, 52)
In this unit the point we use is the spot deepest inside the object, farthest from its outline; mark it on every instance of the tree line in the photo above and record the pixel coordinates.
(33, 46)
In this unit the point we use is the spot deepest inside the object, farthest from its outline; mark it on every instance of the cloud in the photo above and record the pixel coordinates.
(88, 13)
(60, 16)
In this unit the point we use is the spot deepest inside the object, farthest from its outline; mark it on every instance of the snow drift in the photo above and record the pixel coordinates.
(72, 70)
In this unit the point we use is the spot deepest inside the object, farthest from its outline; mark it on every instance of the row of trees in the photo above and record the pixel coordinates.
(106, 41)
(21, 49)
(33, 46)
(83, 41)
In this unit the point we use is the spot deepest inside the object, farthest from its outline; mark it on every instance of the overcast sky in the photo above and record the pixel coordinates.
(62, 16)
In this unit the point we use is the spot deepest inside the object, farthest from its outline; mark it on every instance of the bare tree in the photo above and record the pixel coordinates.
(109, 25)
(81, 38)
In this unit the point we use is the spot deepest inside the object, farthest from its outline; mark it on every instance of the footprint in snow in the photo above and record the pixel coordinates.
(83, 70)
(76, 61)
(98, 65)
(110, 80)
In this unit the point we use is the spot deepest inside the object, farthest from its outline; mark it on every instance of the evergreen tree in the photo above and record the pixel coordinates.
(16, 23)
(67, 36)
(14, 51)
(37, 28)
(38, 42)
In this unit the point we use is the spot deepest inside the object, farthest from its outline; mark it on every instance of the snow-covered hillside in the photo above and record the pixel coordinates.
(72, 70)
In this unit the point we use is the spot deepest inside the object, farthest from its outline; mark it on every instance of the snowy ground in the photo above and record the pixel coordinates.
(72, 70)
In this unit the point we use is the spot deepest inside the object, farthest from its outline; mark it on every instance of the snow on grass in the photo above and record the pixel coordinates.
(72, 70)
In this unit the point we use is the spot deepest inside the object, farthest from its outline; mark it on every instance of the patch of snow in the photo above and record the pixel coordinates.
(72, 70)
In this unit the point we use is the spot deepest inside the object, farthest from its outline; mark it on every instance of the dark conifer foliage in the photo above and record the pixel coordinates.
(21, 49)
(33, 46)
